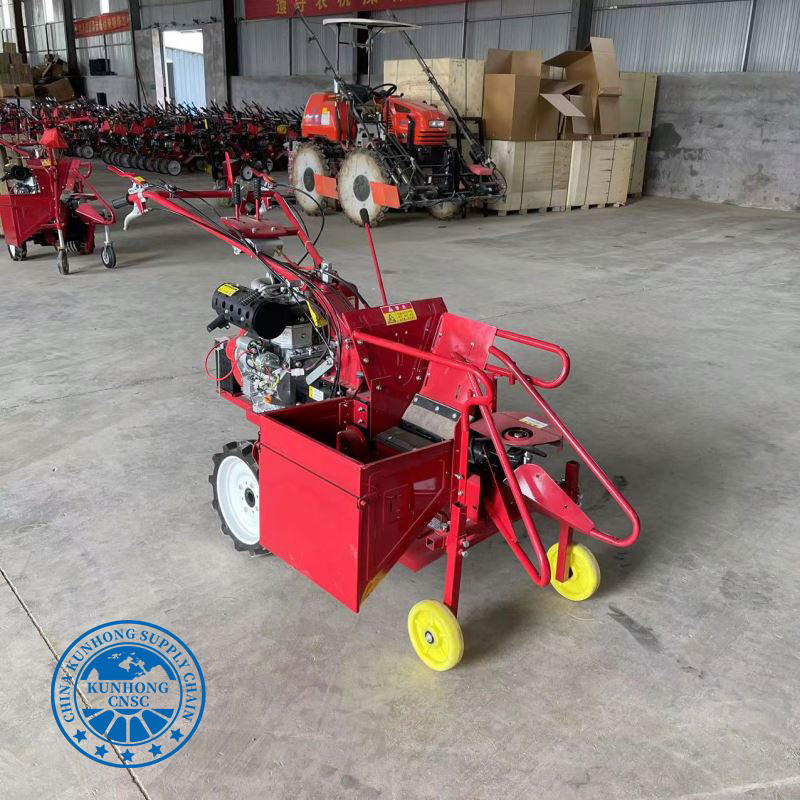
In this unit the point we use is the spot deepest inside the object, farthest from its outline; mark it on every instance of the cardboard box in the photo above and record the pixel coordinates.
(16, 90)
(637, 101)
(60, 90)
(461, 78)
(511, 94)
(596, 69)
(636, 185)
(553, 104)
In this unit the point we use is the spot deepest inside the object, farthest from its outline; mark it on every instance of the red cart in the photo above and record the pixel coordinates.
(51, 202)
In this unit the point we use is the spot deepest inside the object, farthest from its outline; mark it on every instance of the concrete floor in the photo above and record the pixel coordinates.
(678, 679)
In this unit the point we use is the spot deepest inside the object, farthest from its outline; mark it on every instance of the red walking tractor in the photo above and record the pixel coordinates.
(379, 439)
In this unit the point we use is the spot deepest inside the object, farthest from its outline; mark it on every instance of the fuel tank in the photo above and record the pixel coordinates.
(327, 117)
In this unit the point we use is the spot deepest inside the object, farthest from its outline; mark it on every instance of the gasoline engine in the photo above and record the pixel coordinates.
(282, 352)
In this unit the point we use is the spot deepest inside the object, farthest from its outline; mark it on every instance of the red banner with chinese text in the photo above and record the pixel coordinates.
(102, 24)
(267, 9)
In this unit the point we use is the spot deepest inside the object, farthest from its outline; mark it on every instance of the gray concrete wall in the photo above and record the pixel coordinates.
(214, 63)
(116, 87)
(727, 138)
(277, 92)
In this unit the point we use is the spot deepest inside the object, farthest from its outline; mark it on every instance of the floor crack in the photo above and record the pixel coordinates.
(56, 655)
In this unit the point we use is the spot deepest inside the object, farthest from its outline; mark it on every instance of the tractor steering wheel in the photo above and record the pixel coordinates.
(383, 90)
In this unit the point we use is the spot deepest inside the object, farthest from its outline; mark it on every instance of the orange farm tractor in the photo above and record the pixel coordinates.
(371, 150)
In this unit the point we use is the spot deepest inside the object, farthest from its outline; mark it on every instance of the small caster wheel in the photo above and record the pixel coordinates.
(18, 252)
(435, 635)
(583, 572)
(108, 255)
(62, 262)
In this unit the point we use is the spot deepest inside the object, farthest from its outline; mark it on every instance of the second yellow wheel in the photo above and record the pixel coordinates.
(435, 635)
(583, 572)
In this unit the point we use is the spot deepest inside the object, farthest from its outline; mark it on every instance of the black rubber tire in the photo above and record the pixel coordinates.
(19, 253)
(244, 451)
(62, 262)
(108, 256)
(447, 209)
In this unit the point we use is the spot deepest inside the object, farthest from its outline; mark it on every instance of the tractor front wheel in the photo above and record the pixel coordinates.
(236, 495)
(309, 161)
(358, 172)
(447, 209)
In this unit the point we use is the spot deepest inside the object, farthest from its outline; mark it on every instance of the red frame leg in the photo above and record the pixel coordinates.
(571, 487)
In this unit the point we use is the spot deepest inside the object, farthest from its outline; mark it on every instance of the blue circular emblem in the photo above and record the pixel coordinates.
(128, 694)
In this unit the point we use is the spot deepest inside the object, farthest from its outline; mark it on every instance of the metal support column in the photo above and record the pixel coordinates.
(580, 23)
(230, 32)
(19, 26)
(135, 14)
(749, 39)
(69, 38)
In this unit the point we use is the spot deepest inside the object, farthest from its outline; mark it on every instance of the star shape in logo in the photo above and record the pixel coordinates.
(155, 750)
(127, 755)
(176, 735)
(79, 735)
(101, 751)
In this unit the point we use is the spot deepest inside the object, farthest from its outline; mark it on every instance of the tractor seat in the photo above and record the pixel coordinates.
(252, 228)
(363, 94)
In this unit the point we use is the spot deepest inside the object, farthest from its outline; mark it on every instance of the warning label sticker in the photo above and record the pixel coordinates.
(394, 315)
(228, 289)
(534, 423)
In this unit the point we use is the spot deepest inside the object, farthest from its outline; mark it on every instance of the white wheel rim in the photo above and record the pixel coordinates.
(362, 167)
(237, 495)
(307, 159)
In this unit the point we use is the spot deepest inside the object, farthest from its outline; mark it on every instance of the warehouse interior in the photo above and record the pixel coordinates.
(663, 260)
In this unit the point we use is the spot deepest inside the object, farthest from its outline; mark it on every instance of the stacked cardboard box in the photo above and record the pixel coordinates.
(16, 79)
(579, 100)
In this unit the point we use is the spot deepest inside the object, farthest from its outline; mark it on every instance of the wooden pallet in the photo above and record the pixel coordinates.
(593, 206)
(541, 210)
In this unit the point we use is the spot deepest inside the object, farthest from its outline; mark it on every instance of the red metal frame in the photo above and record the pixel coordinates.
(44, 214)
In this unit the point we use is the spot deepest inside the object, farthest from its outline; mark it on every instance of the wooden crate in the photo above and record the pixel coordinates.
(636, 184)
(621, 169)
(461, 78)
(510, 160)
(637, 103)
(599, 172)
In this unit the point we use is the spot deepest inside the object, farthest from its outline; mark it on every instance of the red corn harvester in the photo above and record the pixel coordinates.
(51, 202)
(379, 437)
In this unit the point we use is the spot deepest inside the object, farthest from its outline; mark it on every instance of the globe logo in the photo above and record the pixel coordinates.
(128, 693)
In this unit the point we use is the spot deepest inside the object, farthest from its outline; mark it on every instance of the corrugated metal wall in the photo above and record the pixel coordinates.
(653, 35)
(116, 47)
(690, 37)
(512, 24)
(776, 37)
(189, 83)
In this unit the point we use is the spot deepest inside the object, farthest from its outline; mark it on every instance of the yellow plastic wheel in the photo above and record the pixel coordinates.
(435, 635)
(584, 572)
